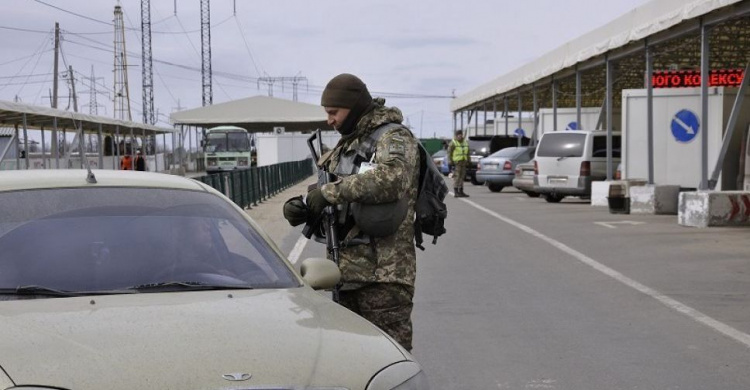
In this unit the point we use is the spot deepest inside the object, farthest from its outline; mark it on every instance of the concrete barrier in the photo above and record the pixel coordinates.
(599, 193)
(714, 208)
(654, 199)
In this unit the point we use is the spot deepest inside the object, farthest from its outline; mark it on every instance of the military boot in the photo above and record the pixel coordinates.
(463, 194)
(458, 192)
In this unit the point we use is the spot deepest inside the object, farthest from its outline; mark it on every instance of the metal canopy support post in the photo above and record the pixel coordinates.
(536, 116)
(729, 131)
(579, 126)
(554, 104)
(494, 116)
(81, 144)
(100, 146)
(25, 142)
(476, 121)
(17, 143)
(484, 109)
(505, 114)
(454, 121)
(704, 106)
(610, 82)
(55, 143)
(132, 141)
(116, 148)
(520, 108)
(650, 111)
(462, 120)
(44, 155)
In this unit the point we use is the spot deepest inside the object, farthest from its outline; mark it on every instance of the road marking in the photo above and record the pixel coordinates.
(673, 304)
(612, 224)
(299, 246)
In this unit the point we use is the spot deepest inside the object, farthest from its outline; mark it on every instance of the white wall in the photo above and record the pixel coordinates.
(675, 162)
(277, 148)
(566, 119)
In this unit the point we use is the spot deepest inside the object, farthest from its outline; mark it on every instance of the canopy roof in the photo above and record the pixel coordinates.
(658, 21)
(37, 117)
(256, 114)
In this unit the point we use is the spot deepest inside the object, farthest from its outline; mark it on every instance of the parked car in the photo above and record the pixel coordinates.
(568, 161)
(524, 179)
(482, 146)
(135, 280)
(440, 158)
(498, 169)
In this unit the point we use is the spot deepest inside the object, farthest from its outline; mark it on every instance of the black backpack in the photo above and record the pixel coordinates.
(430, 208)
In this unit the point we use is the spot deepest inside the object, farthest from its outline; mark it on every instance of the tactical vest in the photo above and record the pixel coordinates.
(460, 151)
(377, 220)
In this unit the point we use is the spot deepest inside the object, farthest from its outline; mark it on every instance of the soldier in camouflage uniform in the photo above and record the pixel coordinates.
(378, 273)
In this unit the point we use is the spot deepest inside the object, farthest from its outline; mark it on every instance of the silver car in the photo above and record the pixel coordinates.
(135, 280)
(498, 169)
(524, 178)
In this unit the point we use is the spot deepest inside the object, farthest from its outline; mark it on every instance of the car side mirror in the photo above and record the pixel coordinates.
(319, 273)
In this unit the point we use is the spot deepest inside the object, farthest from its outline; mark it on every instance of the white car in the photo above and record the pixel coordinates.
(135, 280)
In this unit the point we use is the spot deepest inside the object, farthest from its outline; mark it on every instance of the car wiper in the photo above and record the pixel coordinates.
(187, 285)
(39, 290)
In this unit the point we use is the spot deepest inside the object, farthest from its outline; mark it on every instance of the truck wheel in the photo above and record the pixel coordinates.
(495, 187)
(532, 194)
(553, 198)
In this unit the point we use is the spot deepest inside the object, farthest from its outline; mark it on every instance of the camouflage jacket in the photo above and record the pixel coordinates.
(392, 259)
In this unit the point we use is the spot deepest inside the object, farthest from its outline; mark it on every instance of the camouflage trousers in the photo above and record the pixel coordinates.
(387, 305)
(459, 174)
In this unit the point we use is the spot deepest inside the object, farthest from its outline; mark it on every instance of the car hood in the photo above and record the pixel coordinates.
(293, 337)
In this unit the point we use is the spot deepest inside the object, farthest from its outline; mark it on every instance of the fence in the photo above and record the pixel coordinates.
(250, 186)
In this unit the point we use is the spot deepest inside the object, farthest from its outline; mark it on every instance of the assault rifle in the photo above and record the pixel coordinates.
(328, 220)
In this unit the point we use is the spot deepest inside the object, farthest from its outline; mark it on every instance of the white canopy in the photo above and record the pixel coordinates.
(12, 114)
(646, 20)
(256, 114)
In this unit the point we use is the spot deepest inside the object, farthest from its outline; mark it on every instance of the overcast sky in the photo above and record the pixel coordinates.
(416, 47)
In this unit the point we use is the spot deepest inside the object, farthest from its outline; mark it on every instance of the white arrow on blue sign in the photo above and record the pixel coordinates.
(519, 133)
(685, 126)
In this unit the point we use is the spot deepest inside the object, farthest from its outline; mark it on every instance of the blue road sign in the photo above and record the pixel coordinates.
(572, 126)
(519, 133)
(685, 126)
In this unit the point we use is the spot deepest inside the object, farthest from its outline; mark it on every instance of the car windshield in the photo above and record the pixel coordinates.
(508, 152)
(562, 144)
(227, 142)
(126, 239)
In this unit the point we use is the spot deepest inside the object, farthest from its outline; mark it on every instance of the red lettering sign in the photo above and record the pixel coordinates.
(692, 78)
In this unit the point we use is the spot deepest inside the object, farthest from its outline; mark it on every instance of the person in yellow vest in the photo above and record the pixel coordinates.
(458, 157)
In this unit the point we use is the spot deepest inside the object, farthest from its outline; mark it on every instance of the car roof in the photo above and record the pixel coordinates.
(74, 178)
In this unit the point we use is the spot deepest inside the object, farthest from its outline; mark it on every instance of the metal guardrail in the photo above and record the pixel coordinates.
(248, 187)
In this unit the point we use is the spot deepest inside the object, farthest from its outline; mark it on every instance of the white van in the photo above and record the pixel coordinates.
(568, 161)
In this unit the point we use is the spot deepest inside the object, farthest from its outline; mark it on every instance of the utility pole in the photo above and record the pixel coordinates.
(208, 96)
(73, 88)
(122, 93)
(55, 71)
(147, 70)
(270, 81)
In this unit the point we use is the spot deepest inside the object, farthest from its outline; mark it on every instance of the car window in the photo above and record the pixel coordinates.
(508, 152)
(100, 239)
(562, 144)
(479, 147)
(600, 146)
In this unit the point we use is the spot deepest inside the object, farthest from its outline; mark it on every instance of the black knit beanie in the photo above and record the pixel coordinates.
(347, 91)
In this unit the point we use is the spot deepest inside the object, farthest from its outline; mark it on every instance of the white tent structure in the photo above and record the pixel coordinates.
(255, 114)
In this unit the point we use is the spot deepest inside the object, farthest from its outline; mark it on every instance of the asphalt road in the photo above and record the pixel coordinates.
(522, 294)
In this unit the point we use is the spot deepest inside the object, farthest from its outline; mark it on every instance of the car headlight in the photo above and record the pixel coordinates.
(400, 376)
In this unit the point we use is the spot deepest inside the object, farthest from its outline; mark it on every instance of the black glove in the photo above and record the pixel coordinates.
(296, 211)
(316, 202)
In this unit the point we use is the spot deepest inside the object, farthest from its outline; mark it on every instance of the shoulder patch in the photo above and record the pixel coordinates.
(396, 146)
